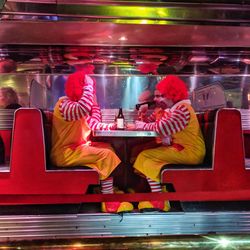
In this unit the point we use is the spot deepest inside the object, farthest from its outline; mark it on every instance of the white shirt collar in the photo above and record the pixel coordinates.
(63, 97)
(186, 101)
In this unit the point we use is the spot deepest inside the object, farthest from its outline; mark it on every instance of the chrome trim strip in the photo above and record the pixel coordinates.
(29, 227)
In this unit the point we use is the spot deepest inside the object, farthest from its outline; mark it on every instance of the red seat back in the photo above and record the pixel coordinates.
(207, 125)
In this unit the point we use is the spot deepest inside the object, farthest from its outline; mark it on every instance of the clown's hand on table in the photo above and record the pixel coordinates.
(112, 126)
(139, 125)
(130, 126)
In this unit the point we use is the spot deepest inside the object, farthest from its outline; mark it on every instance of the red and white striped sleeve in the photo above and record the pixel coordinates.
(75, 110)
(94, 121)
(150, 118)
(170, 123)
(96, 113)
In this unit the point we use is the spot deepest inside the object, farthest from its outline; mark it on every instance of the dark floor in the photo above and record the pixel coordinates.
(96, 208)
(162, 242)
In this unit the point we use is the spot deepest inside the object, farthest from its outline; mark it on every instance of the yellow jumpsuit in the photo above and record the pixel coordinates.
(187, 147)
(71, 146)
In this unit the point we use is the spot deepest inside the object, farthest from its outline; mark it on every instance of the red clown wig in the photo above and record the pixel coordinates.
(74, 86)
(173, 88)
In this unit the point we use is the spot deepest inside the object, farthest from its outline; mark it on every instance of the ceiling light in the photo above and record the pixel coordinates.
(123, 38)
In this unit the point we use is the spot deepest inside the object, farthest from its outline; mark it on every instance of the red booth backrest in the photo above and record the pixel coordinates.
(207, 125)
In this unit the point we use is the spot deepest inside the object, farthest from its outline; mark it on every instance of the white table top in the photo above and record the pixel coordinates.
(124, 133)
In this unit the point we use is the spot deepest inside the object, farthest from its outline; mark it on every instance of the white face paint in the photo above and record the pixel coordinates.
(162, 101)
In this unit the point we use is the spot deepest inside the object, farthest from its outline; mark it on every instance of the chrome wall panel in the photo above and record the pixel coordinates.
(114, 91)
(170, 11)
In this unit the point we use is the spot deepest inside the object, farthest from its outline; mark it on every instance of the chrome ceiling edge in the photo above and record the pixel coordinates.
(184, 12)
(125, 23)
(110, 34)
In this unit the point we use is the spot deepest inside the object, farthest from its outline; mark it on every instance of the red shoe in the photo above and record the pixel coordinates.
(116, 207)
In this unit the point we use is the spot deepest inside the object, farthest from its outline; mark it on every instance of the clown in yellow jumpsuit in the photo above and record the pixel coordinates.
(178, 128)
(75, 115)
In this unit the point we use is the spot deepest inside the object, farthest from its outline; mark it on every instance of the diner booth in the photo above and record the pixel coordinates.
(126, 53)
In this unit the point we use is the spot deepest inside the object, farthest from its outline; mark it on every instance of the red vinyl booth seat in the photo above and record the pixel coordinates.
(29, 182)
(28, 175)
(225, 170)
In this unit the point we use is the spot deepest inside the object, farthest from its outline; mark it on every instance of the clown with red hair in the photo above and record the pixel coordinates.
(181, 138)
(75, 115)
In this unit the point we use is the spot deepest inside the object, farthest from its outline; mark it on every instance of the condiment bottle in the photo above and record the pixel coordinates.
(120, 120)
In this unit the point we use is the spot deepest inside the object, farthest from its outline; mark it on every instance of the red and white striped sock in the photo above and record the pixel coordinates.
(154, 185)
(107, 186)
